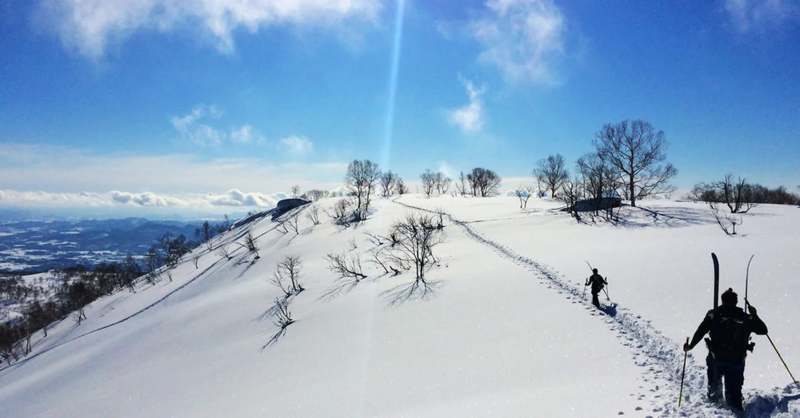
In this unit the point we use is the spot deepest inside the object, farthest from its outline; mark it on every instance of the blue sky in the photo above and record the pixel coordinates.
(215, 104)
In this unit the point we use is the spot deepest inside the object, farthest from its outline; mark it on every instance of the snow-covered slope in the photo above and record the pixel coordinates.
(504, 330)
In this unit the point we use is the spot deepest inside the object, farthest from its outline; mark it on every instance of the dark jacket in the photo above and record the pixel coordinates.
(597, 281)
(734, 329)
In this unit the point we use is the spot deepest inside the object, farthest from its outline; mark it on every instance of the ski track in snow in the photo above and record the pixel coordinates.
(662, 357)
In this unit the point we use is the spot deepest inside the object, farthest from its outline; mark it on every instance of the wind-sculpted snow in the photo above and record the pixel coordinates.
(661, 356)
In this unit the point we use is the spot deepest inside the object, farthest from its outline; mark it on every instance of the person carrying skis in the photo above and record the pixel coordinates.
(597, 281)
(728, 346)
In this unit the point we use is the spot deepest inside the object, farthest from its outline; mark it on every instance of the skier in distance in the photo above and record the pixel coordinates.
(597, 281)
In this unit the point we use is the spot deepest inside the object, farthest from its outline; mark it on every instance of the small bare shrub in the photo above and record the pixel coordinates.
(289, 267)
(346, 265)
(312, 213)
(283, 316)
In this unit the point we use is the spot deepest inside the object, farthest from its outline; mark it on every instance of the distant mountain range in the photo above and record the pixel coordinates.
(38, 245)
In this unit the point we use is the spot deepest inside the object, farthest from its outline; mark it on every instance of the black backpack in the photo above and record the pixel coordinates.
(597, 283)
(730, 341)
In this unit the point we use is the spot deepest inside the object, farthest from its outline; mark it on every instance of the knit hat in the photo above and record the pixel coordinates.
(729, 297)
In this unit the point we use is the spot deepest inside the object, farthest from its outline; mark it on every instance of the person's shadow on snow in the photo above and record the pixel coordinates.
(610, 309)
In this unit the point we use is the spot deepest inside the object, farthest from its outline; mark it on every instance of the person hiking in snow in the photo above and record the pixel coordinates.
(597, 281)
(728, 346)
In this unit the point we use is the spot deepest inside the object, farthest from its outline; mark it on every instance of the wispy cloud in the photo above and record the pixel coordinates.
(197, 127)
(246, 135)
(296, 144)
(448, 170)
(192, 128)
(523, 38)
(58, 169)
(747, 15)
(469, 118)
(88, 26)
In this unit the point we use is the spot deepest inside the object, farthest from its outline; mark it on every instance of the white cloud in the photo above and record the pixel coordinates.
(296, 144)
(747, 15)
(59, 169)
(202, 134)
(246, 135)
(117, 198)
(88, 26)
(235, 197)
(196, 127)
(146, 199)
(469, 118)
(523, 38)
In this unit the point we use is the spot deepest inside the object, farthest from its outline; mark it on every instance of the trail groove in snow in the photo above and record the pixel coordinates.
(662, 357)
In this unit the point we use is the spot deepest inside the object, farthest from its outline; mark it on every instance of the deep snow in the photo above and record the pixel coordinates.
(504, 330)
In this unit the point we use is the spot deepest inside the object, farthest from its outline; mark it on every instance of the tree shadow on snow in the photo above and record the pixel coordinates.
(416, 290)
(274, 340)
(670, 217)
(344, 285)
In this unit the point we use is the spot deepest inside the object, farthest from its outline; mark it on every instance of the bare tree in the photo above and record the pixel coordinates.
(290, 267)
(361, 178)
(416, 237)
(388, 183)
(523, 193)
(442, 183)
(428, 180)
(204, 234)
(377, 258)
(401, 187)
(341, 212)
(484, 183)
(737, 195)
(223, 251)
(312, 213)
(293, 223)
(315, 194)
(461, 186)
(439, 219)
(283, 316)
(346, 266)
(295, 190)
(601, 180)
(375, 239)
(636, 150)
(250, 244)
(570, 196)
(280, 282)
(552, 173)
(727, 222)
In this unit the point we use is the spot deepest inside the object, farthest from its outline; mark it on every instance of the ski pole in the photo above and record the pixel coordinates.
(606, 292)
(683, 374)
(784, 363)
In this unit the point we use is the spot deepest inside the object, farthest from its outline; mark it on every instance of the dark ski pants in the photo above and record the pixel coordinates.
(734, 379)
(595, 300)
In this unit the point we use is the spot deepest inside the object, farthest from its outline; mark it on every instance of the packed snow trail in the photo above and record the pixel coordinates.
(662, 357)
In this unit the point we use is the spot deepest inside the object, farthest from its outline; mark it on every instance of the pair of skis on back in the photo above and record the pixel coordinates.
(716, 320)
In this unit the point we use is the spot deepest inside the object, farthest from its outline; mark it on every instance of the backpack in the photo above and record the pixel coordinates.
(597, 283)
(730, 341)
